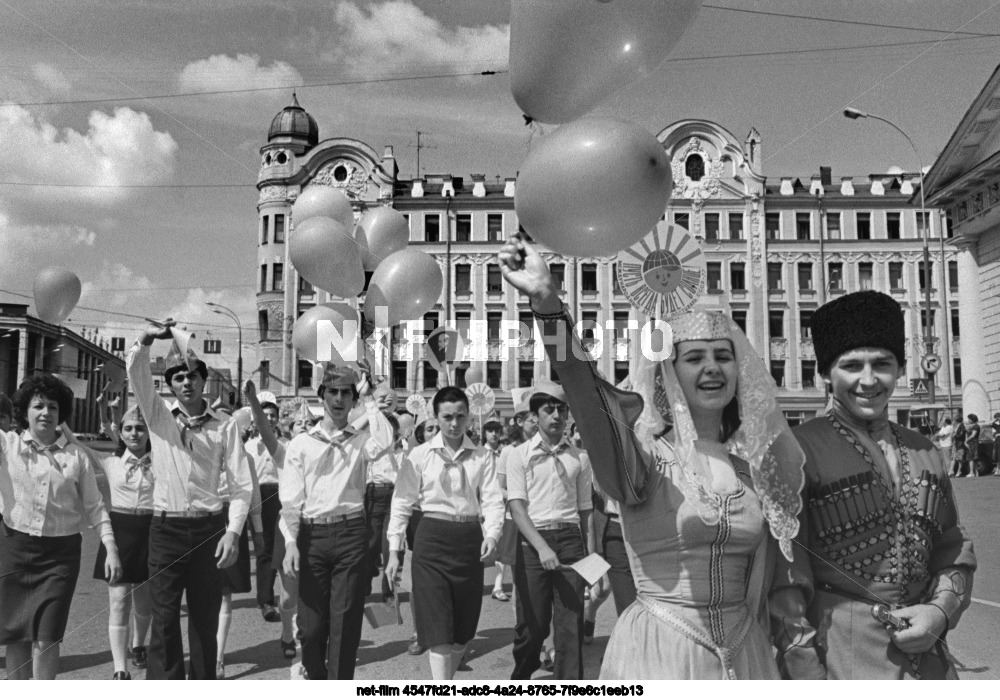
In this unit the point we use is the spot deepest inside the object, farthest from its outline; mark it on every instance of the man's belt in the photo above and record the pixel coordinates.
(130, 511)
(452, 518)
(334, 519)
(186, 513)
(558, 526)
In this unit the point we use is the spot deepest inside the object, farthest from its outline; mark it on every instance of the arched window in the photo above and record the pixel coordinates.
(694, 168)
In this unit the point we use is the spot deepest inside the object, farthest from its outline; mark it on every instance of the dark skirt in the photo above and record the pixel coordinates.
(236, 578)
(278, 553)
(507, 547)
(37, 580)
(132, 538)
(447, 581)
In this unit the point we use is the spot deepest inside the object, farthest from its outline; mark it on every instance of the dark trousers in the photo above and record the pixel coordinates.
(182, 563)
(378, 506)
(333, 563)
(620, 574)
(270, 510)
(545, 598)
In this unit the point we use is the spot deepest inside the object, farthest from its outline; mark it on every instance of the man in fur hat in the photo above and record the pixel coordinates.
(882, 569)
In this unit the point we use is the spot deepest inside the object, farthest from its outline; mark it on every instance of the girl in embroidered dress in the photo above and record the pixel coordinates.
(697, 503)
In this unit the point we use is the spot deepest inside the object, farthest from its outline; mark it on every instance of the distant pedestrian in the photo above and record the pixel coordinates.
(972, 444)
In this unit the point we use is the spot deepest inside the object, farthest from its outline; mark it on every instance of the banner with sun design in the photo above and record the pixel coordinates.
(664, 273)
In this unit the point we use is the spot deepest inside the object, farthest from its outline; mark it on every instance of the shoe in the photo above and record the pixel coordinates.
(415, 649)
(498, 594)
(588, 631)
(121, 676)
(220, 670)
(548, 663)
(139, 657)
(287, 649)
(270, 613)
(298, 672)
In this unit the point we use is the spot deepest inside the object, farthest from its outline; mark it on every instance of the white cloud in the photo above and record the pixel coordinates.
(399, 34)
(25, 246)
(51, 78)
(118, 149)
(222, 72)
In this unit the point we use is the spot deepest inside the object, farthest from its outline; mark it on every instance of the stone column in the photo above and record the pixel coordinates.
(975, 398)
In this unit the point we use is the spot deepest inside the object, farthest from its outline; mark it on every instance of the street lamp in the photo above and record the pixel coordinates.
(854, 114)
(226, 311)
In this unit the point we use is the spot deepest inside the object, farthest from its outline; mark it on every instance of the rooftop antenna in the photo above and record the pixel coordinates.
(420, 146)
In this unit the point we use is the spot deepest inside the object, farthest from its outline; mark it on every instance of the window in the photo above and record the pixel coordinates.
(463, 278)
(923, 322)
(527, 319)
(925, 276)
(430, 322)
(892, 230)
(863, 221)
(263, 228)
(835, 275)
(558, 272)
(278, 278)
(494, 227)
(805, 323)
(956, 365)
(694, 167)
(711, 226)
(953, 275)
(833, 225)
(399, 374)
(463, 323)
(621, 372)
(305, 374)
(494, 374)
(682, 219)
(614, 279)
(588, 277)
(778, 372)
(263, 278)
(525, 373)
(493, 324)
(265, 374)
(866, 275)
(262, 324)
(735, 226)
(808, 374)
(923, 223)
(896, 275)
(621, 325)
(463, 228)
(737, 276)
(589, 319)
(805, 276)
(954, 324)
(432, 228)
(776, 323)
(740, 319)
(772, 225)
(430, 376)
(279, 228)
(803, 226)
(494, 278)
(714, 277)
(774, 276)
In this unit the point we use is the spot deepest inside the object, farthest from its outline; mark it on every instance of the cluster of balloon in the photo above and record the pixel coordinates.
(329, 332)
(57, 292)
(593, 186)
(408, 283)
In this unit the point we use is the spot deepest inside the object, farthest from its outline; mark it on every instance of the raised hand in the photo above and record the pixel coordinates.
(157, 330)
(524, 269)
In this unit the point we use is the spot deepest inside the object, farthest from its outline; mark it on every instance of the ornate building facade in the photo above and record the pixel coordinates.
(776, 249)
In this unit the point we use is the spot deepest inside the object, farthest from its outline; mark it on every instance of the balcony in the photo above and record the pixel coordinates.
(779, 348)
(806, 349)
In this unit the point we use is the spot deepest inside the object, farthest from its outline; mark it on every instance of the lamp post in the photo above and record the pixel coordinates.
(229, 313)
(855, 114)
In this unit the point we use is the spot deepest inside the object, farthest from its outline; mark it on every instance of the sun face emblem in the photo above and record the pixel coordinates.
(662, 271)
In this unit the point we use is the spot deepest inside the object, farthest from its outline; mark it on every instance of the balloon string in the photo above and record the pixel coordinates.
(533, 128)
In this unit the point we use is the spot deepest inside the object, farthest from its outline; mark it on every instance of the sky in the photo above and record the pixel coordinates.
(152, 201)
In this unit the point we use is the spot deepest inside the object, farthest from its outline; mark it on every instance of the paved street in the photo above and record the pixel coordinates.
(253, 650)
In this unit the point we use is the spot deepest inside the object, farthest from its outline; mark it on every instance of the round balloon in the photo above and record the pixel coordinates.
(382, 232)
(406, 425)
(323, 200)
(566, 56)
(473, 376)
(408, 283)
(329, 333)
(593, 187)
(243, 418)
(57, 290)
(325, 253)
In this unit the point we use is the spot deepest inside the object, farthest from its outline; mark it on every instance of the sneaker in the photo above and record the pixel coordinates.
(139, 657)
(121, 676)
(220, 670)
(415, 649)
(270, 613)
(588, 631)
(298, 672)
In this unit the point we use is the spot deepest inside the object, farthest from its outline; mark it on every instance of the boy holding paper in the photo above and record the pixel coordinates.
(549, 483)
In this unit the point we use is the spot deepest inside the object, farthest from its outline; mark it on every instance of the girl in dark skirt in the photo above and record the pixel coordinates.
(47, 494)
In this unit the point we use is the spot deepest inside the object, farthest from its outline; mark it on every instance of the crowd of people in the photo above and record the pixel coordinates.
(739, 547)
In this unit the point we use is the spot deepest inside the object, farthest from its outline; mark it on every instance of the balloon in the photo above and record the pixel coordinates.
(566, 56)
(382, 232)
(593, 187)
(325, 253)
(406, 424)
(408, 282)
(329, 333)
(57, 290)
(473, 376)
(322, 200)
(243, 418)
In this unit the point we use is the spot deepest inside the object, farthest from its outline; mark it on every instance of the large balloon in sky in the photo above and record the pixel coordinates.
(57, 290)
(566, 56)
(593, 187)
(408, 282)
(329, 333)
(322, 200)
(381, 232)
(325, 253)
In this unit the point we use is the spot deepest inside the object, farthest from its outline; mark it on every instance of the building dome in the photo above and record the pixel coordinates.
(295, 123)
